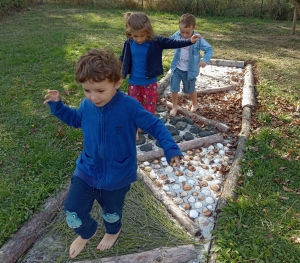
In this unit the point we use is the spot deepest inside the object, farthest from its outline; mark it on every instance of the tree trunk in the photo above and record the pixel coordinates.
(294, 21)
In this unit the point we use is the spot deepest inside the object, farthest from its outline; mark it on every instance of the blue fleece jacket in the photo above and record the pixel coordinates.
(194, 55)
(109, 158)
(154, 67)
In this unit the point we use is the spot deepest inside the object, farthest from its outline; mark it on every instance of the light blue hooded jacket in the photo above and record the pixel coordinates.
(194, 55)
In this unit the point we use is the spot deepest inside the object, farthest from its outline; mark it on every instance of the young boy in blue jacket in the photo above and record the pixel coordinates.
(186, 63)
(107, 164)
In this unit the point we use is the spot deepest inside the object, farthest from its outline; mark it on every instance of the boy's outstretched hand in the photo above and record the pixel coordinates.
(195, 37)
(176, 160)
(52, 95)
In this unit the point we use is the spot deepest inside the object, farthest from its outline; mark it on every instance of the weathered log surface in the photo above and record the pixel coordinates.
(208, 91)
(220, 126)
(184, 146)
(248, 88)
(164, 83)
(172, 208)
(180, 254)
(227, 63)
(28, 233)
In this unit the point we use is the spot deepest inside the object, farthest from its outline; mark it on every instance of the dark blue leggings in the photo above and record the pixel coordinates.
(79, 203)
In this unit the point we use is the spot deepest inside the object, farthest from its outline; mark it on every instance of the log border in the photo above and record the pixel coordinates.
(231, 179)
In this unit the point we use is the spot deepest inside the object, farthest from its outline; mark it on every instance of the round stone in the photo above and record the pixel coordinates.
(192, 199)
(181, 179)
(205, 192)
(209, 200)
(220, 145)
(198, 205)
(176, 186)
(169, 169)
(193, 213)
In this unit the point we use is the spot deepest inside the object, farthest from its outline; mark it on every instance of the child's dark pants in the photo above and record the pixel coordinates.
(80, 200)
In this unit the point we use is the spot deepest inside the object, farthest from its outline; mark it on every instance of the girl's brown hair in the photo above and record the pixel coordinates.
(98, 65)
(135, 21)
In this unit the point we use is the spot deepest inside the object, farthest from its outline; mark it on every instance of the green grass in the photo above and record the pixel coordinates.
(38, 50)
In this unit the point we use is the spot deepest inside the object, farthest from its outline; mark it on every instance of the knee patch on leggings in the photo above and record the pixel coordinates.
(73, 220)
(111, 218)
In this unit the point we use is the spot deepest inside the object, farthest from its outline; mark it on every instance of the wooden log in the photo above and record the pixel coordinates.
(208, 91)
(231, 179)
(180, 254)
(184, 146)
(248, 88)
(220, 126)
(227, 63)
(172, 208)
(164, 83)
(28, 233)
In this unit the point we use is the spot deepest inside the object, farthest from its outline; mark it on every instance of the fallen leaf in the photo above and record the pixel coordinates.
(255, 149)
(283, 198)
(287, 189)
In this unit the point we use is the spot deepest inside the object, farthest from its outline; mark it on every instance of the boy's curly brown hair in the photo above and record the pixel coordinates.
(97, 65)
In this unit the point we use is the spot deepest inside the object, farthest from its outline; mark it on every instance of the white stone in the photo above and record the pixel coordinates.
(166, 188)
(153, 174)
(146, 163)
(209, 200)
(221, 152)
(203, 221)
(210, 207)
(164, 163)
(157, 166)
(182, 179)
(176, 186)
(193, 213)
(205, 192)
(220, 145)
(211, 147)
(172, 180)
(163, 159)
(169, 169)
(192, 199)
(201, 172)
(198, 205)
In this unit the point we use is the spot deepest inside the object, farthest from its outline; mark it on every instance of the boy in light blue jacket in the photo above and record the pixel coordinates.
(187, 61)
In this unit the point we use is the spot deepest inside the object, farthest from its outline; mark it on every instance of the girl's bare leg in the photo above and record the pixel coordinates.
(108, 241)
(194, 102)
(137, 137)
(173, 112)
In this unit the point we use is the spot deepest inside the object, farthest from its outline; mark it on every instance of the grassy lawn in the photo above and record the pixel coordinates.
(38, 49)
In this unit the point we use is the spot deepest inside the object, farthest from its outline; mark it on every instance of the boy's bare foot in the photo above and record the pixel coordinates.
(194, 108)
(108, 241)
(173, 112)
(137, 137)
(77, 246)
